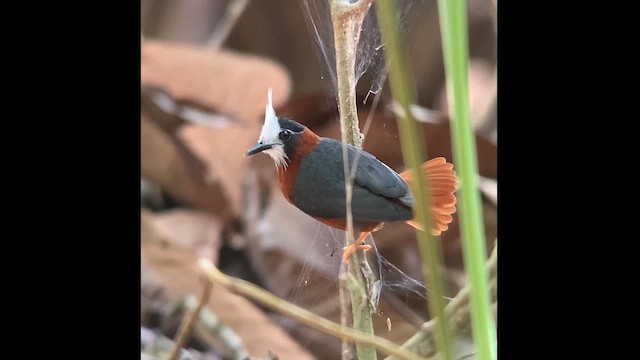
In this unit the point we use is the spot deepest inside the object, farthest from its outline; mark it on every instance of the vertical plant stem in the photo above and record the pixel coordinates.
(413, 151)
(347, 21)
(453, 23)
(343, 313)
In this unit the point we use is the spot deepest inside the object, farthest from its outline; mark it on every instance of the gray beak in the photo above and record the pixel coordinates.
(259, 147)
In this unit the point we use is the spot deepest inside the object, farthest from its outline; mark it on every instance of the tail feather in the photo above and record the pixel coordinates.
(442, 185)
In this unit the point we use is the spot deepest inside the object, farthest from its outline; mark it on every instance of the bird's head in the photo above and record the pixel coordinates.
(279, 136)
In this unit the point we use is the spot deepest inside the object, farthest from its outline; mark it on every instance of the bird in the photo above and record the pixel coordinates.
(311, 175)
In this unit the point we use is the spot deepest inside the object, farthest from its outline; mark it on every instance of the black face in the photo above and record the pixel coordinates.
(289, 134)
(286, 123)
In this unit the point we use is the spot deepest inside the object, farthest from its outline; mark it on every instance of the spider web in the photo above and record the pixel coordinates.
(370, 60)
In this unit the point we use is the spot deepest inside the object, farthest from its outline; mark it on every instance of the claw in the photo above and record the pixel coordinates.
(358, 245)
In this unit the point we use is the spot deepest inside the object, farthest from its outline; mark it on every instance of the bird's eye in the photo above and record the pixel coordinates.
(284, 135)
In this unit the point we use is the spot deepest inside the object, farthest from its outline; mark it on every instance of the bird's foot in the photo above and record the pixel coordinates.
(357, 245)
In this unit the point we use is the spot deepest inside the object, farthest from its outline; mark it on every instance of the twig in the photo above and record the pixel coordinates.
(232, 13)
(306, 317)
(211, 325)
(154, 345)
(457, 312)
(189, 322)
(347, 21)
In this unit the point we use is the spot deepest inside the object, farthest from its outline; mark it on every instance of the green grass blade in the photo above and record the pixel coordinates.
(453, 23)
(413, 151)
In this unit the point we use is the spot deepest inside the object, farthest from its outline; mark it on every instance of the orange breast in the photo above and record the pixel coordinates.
(307, 142)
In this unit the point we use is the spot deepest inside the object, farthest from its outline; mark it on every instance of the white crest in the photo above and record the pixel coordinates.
(270, 128)
(269, 134)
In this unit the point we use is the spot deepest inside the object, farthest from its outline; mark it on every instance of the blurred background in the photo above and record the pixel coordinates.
(206, 66)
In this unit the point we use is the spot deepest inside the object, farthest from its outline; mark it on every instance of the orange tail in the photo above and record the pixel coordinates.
(442, 183)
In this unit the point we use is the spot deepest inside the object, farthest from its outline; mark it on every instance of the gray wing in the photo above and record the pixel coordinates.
(320, 190)
(378, 177)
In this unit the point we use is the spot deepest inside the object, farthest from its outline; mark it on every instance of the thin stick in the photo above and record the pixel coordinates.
(189, 322)
(306, 317)
(211, 327)
(347, 21)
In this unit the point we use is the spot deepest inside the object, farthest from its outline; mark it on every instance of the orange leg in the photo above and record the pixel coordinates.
(358, 245)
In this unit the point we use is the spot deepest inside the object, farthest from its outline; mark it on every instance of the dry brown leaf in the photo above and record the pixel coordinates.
(218, 155)
(175, 267)
(222, 81)
(222, 151)
(228, 82)
(167, 162)
(197, 230)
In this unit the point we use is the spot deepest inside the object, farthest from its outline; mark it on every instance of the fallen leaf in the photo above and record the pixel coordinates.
(222, 151)
(166, 161)
(224, 81)
(197, 230)
(198, 83)
(174, 265)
